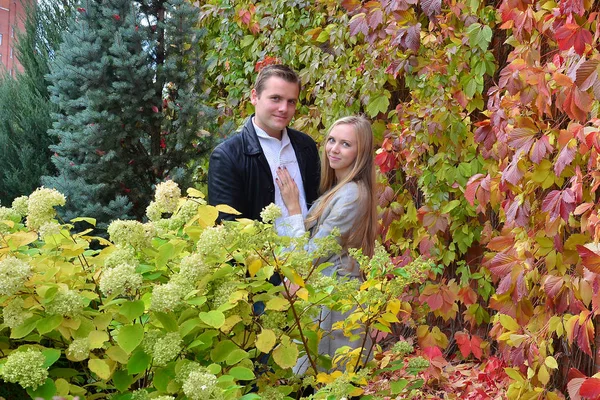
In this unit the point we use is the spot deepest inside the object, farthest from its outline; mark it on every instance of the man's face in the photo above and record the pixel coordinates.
(275, 106)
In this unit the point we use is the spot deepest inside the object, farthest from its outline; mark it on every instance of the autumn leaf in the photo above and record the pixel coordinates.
(431, 7)
(572, 6)
(565, 157)
(590, 388)
(521, 139)
(350, 5)
(559, 203)
(358, 24)
(540, 148)
(590, 256)
(572, 35)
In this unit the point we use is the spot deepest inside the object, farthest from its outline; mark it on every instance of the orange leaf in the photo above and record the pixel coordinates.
(590, 258)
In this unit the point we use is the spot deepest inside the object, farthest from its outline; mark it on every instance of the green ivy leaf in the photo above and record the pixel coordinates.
(130, 336)
(52, 355)
(167, 321)
(378, 103)
(138, 363)
(213, 318)
(132, 309)
(46, 391)
(25, 328)
(398, 386)
(122, 380)
(236, 356)
(221, 350)
(242, 373)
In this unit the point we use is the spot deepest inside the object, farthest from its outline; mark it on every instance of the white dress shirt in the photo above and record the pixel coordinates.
(280, 153)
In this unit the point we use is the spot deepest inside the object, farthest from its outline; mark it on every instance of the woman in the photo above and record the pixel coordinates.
(347, 203)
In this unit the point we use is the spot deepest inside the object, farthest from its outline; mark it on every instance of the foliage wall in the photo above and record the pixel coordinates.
(486, 112)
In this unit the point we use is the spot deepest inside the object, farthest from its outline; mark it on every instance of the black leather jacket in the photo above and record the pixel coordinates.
(239, 174)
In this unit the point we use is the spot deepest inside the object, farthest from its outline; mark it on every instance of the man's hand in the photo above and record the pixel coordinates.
(289, 191)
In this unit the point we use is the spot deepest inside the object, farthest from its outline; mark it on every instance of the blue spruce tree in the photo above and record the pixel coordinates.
(126, 119)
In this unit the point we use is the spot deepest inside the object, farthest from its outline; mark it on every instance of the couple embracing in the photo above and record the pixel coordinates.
(269, 162)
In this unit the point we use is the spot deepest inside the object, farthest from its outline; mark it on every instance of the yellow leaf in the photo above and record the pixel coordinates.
(97, 339)
(393, 306)
(543, 375)
(118, 354)
(19, 239)
(265, 341)
(303, 294)
(195, 193)
(229, 323)
(100, 368)
(62, 387)
(254, 267)
(277, 304)
(509, 323)
(514, 375)
(224, 208)
(323, 377)
(551, 362)
(207, 215)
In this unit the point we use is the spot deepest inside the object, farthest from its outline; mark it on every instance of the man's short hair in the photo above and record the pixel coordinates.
(279, 70)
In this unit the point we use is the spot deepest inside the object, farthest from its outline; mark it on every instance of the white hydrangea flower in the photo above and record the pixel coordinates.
(270, 213)
(167, 348)
(40, 206)
(166, 297)
(202, 385)
(13, 275)
(193, 268)
(66, 302)
(153, 211)
(8, 214)
(48, 229)
(13, 314)
(79, 349)
(132, 233)
(212, 240)
(25, 368)
(120, 256)
(187, 210)
(121, 279)
(167, 196)
(19, 205)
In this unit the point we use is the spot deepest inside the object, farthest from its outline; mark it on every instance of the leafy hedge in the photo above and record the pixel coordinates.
(171, 307)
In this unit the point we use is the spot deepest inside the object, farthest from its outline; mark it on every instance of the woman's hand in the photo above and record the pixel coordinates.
(289, 191)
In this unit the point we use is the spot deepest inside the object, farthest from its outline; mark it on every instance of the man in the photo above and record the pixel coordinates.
(242, 169)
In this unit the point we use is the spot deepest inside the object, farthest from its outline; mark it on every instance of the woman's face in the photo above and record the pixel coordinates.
(341, 149)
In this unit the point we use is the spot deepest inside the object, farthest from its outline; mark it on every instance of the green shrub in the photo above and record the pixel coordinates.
(165, 308)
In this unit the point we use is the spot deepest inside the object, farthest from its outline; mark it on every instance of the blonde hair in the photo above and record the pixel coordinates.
(362, 233)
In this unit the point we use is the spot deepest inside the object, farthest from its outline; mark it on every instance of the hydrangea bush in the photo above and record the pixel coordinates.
(179, 307)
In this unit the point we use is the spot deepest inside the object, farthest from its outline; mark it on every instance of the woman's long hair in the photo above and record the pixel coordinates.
(362, 233)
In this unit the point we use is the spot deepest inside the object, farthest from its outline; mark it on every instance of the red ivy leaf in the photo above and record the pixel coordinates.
(540, 148)
(386, 160)
(485, 134)
(512, 173)
(589, 256)
(559, 203)
(572, 35)
(350, 5)
(587, 74)
(573, 387)
(566, 155)
(397, 5)
(472, 186)
(521, 139)
(431, 7)
(358, 24)
(476, 346)
(155, 109)
(571, 6)
(590, 388)
(413, 37)
(463, 341)
(375, 18)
